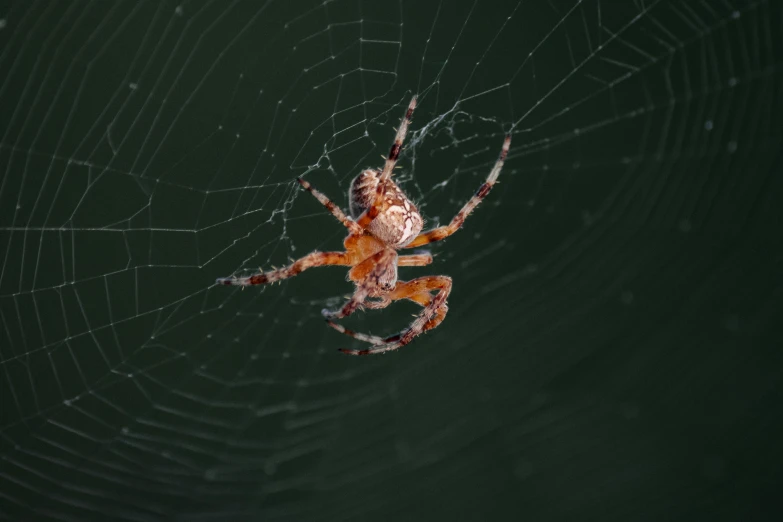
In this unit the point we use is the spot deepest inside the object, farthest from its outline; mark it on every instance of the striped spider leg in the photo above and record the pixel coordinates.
(312, 259)
(372, 212)
(418, 290)
(443, 232)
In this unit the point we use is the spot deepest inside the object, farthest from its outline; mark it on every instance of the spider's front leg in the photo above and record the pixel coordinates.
(415, 290)
(309, 261)
(418, 290)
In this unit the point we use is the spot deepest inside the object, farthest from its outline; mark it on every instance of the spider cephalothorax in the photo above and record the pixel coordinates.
(384, 220)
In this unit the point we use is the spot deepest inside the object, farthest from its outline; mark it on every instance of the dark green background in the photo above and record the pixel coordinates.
(613, 349)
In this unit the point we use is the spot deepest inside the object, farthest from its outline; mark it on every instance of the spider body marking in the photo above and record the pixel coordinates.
(383, 220)
(398, 222)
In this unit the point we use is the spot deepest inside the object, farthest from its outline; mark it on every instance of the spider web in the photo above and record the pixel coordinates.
(613, 295)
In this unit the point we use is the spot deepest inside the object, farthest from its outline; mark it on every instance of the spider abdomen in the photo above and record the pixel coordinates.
(398, 222)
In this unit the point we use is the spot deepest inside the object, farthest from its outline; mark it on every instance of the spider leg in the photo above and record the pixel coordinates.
(415, 260)
(350, 224)
(309, 261)
(372, 339)
(369, 284)
(372, 212)
(422, 298)
(430, 317)
(443, 232)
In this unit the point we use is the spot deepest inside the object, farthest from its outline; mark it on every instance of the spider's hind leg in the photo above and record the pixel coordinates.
(350, 224)
(373, 210)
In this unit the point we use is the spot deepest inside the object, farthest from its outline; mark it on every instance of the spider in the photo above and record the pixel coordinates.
(384, 220)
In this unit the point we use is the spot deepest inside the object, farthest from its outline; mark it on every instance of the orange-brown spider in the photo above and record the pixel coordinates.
(383, 221)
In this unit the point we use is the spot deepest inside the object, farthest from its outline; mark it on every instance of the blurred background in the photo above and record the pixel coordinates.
(612, 350)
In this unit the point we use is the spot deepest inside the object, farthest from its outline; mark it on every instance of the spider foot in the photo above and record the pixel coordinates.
(237, 281)
(349, 308)
(331, 314)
